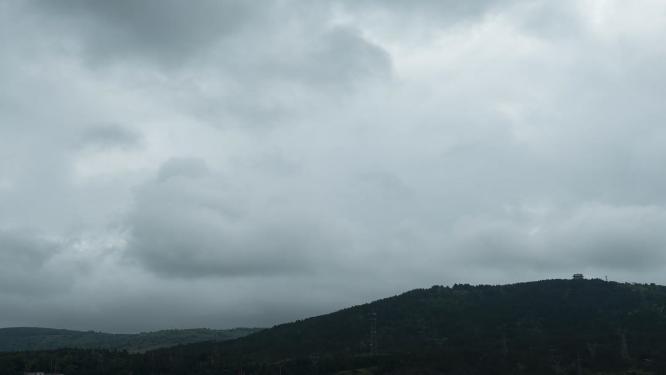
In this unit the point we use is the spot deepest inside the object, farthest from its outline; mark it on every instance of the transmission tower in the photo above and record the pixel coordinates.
(373, 333)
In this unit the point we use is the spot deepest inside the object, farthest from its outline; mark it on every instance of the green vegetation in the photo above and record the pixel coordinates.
(29, 338)
(545, 327)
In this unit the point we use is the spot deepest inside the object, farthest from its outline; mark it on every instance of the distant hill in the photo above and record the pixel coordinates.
(587, 327)
(31, 338)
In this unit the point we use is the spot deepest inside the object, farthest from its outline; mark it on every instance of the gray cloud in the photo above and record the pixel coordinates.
(24, 258)
(182, 167)
(191, 223)
(432, 11)
(338, 56)
(230, 63)
(24, 249)
(110, 136)
(587, 237)
(206, 159)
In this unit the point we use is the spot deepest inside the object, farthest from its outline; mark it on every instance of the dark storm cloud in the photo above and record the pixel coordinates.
(229, 62)
(251, 39)
(271, 77)
(168, 32)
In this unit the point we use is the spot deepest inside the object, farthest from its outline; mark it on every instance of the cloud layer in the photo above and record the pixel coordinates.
(221, 163)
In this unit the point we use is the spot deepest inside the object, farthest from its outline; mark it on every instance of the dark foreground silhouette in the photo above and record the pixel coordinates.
(543, 327)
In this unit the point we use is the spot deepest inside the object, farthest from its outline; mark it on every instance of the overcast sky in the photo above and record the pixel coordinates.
(214, 163)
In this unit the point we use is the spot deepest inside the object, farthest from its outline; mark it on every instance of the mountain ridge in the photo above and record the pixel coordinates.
(42, 338)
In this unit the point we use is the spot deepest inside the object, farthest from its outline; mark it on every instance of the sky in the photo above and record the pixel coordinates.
(222, 163)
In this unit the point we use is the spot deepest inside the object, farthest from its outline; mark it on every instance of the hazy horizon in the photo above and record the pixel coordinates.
(222, 163)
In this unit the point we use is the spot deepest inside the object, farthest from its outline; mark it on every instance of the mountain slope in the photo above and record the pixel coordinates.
(544, 327)
(31, 338)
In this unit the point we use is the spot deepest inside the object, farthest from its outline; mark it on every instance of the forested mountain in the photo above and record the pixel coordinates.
(31, 338)
(544, 327)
